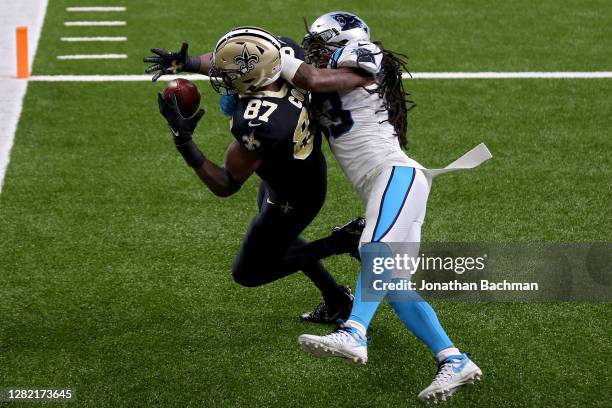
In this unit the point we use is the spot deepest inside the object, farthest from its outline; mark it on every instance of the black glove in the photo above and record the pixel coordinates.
(182, 130)
(171, 62)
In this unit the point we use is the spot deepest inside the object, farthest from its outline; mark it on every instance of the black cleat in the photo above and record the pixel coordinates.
(346, 237)
(324, 313)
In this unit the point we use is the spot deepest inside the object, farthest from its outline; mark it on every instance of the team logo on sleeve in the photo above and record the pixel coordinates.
(246, 61)
(347, 21)
(364, 55)
(250, 142)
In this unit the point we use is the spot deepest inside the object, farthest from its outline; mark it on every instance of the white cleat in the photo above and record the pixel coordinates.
(345, 342)
(453, 373)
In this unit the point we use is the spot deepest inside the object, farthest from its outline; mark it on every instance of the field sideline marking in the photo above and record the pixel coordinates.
(96, 9)
(417, 75)
(91, 56)
(85, 39)
(93, 23)
(30, 13)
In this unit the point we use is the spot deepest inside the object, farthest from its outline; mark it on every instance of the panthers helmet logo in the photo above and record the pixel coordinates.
(246, 61)
(348, 21)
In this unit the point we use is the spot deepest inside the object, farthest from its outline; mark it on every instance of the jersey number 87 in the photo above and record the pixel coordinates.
(302, 139)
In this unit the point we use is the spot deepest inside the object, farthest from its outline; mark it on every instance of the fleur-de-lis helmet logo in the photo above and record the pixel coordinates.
(246, 61)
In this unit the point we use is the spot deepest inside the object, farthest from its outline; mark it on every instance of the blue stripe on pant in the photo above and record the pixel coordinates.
(394, 197)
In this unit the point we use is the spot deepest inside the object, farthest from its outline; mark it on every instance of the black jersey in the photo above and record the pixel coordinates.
(275, 124)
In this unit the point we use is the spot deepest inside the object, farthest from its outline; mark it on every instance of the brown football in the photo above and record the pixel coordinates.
(187, 95)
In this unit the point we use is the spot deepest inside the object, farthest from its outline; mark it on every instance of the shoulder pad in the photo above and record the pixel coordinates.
(359, 54)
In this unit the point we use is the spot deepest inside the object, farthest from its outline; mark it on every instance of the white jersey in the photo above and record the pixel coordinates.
(360, 135)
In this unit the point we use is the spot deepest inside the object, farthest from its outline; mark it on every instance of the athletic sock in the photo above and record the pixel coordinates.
(357, 326)
(367, 297)
(446, 353)
(420, 318)
(362, 311)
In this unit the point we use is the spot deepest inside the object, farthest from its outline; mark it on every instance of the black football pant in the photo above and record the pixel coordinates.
(272, 247)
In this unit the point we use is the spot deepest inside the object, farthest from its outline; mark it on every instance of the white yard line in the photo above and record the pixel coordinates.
(111, 78)
(508, 75)
(418, 75)
(95, 9)
(93, 23)
(91, 56)
(92, 39)
(30, 13)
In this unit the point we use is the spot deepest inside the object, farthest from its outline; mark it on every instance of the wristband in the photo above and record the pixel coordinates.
(290, 66)
(192, 64)
(191, 153)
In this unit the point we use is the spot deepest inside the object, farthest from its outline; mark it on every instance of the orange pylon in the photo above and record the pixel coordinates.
(23, 68)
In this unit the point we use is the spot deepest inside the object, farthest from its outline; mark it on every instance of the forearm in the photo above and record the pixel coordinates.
(218, 180)
(328, 80)
(205, 63)
(313, 79)
(200, 64)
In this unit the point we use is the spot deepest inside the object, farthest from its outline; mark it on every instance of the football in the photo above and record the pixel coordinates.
(187, 95)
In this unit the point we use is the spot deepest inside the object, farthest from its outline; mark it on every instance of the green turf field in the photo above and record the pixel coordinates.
(115, 261)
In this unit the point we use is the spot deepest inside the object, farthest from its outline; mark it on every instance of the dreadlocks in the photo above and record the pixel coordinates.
(389, 80)
(391, 90)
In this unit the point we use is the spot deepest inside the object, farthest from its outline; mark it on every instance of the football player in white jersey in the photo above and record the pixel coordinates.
(364, 116)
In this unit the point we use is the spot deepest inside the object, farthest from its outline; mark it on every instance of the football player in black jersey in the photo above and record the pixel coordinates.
(272, 139)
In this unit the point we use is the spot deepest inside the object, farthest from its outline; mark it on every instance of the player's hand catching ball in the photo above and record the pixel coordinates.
(182, 128)
(171, 62)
